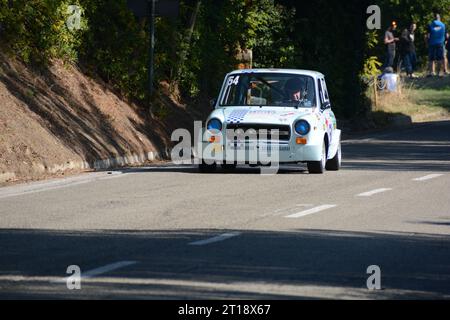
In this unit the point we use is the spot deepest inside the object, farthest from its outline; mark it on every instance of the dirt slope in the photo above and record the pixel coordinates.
(58, 119)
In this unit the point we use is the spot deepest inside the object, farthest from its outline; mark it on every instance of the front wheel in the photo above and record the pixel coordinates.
(207, 168)
(335, 163)
(229, 168)
(318, 167)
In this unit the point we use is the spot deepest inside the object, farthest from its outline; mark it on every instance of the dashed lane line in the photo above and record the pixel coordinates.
(373, 192)
(428, 177)
(311, 211)
(100, 270)
(218, 238)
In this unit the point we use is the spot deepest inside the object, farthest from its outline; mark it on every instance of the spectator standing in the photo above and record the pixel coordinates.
(390, 42)
(409, 50)
(244, 56)
(436, 42)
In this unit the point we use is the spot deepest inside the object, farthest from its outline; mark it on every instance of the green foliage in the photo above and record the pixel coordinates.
(116, 46)
(371, 67)
(36, 30)
(371, 64)
(220, 28)
(372, 39)
(195, 51)
(330, 37)
(268, 30)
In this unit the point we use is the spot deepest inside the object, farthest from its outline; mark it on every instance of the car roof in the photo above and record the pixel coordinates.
(311, 73)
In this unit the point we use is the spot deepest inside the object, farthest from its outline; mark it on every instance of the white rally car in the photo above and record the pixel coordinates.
(283, 112)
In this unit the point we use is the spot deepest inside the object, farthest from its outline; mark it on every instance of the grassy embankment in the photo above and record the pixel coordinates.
(420, 100)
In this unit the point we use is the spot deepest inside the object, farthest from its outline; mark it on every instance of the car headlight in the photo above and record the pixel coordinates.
(214, 124)
(302, 127)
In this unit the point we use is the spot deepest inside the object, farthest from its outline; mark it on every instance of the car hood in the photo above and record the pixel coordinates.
(257, 115)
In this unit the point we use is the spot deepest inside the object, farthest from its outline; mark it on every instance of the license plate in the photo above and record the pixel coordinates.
(262, 147)
(274, 148)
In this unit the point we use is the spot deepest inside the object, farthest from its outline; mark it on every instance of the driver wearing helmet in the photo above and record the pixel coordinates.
(293, 89)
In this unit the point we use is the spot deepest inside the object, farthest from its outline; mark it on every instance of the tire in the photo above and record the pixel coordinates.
(207, 168)
(229, 167)
(318, 167)
(335, 163)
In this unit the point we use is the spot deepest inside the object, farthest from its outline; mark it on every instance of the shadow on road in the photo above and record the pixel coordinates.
(193, 169)
(253, 265)
(423, 147)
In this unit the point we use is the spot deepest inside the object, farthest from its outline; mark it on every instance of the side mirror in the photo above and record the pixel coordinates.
(325, 106)
(212, 103)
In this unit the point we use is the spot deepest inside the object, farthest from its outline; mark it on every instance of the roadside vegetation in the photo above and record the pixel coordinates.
(194, 51)
(85, 90)
(418, 100)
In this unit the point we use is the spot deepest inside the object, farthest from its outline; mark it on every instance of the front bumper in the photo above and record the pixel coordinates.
(260, 152)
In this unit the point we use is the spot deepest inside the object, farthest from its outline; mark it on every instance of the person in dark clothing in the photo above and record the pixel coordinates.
(293, 89)
(390, 42)
(409, 50)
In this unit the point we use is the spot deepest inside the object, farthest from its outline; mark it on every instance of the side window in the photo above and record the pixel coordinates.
(325, 90)
(321, 93)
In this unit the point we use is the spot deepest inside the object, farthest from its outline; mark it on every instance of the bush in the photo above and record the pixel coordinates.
(116, 46)
(36, 30)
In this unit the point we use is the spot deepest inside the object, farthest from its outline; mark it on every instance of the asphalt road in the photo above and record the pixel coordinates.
(169, 232)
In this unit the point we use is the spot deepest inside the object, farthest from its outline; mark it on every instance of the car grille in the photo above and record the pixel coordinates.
(284, 131)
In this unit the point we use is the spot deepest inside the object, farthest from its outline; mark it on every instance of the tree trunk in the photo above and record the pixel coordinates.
(187, 39)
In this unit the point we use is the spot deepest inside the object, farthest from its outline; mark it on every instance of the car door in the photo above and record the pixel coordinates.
(328, 114)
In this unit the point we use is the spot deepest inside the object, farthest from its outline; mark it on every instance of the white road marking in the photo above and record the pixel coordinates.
(107, 268)
(42, 186)
(371, 193)
(218, 238)
(428, 177)
(101, 270)
(283, 210)
(311, 211)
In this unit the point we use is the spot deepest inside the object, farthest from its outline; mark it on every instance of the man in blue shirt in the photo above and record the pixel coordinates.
(436, 41)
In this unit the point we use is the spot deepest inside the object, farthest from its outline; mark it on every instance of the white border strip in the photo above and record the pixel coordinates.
(101, 164)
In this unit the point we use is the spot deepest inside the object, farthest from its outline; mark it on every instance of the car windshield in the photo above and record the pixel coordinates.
(269, 89)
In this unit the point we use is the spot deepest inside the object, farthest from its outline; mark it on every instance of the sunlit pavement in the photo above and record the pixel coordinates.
(169, 232)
